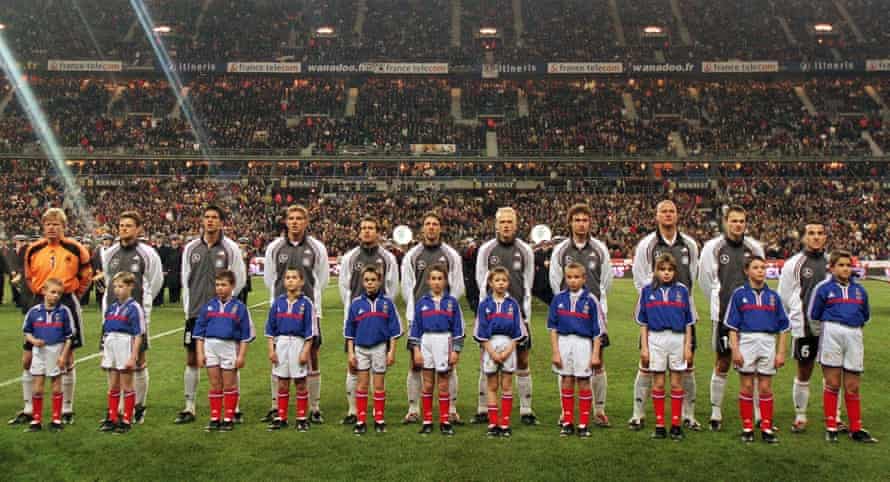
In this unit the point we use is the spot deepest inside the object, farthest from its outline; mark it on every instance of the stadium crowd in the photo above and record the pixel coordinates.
(577, 117)
(422, 31)
(778, 195)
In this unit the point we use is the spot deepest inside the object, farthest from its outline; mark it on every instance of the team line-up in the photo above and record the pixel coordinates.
(817, 300)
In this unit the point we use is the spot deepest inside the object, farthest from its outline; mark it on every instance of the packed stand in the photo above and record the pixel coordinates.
(569, 30)
(407, 30)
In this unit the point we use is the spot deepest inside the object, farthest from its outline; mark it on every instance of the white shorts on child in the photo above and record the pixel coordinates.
(666, 350)
(840, 346)
(499, 343)
(759, 353)
(371, 357)
(575, 352)
(45, 360)
(116, 350)
(436, 349)
(288, 350)
(220, 353)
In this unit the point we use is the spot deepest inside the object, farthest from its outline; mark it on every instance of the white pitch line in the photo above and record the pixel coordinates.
(98, 354)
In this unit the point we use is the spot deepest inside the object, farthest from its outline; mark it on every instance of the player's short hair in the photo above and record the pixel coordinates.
(226, 275)
(579, 208)
(124, 277)
(811, 222)
(753, 258)
(219, 211)
(54, 214)
(431, 214)
(53, 282)
(438, 268)
(132, 214)
(298, 208)
(295, 270)
(496, 271)
(839, 254)
(371, 269)
(665, 201)
(576, 265)
(735, 208)
(505, 211)
(370, 219)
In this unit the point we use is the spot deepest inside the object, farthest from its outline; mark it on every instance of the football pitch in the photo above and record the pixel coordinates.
(160, 450)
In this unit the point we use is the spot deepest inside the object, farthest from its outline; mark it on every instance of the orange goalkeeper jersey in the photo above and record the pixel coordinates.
(67, 260)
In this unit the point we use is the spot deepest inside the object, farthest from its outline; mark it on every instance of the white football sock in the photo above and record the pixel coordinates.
(313, 383)
(453, 387)
(718, 390)
(642, 389)
(351, 382)
(800, 393)
(140, 385)
(414, 386)
(190, 379)
(599, 383)
(69, 380)
(524, 385)
(482, 407)
(273, 385)
(27, 391)
(689, 390)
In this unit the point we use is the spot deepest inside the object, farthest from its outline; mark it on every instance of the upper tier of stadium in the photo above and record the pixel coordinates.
(516, 31)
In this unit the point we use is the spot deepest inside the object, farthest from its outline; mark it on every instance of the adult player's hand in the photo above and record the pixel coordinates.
(688, 355)
(131, 363)
(353, 363)
(202, 360)
(418, 358)
(390, 358)
(273, 357)
(453, 358)
(737, 359)
(644, 356)
(239, 362)
(556, 360)
(304, 355)
(780, 360)
(595, 361)
(60, 362)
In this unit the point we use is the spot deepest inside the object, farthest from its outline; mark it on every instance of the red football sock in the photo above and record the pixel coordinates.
(361, 406)
(585, 402)
(568, 406)
(676, 406)
(492, 414)
(854, 410)
(231, 401)
(379, 406)
(658, 405)
(427, 407)
(746, 410)
(129, 406)
(37, 404)
(57, 407)
(766, 411)
(216, 404)
(506, 408)
(114, 398)
(444, 405)
(829, 406)
(302, 404)
(283, 403)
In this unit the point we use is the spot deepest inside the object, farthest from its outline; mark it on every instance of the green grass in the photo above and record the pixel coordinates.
(160, 450)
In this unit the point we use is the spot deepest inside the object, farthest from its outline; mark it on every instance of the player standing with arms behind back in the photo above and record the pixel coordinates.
(517, 257)
(593, 255)
(299, 250)
(722, 271)
(202, 259)
(417, 261)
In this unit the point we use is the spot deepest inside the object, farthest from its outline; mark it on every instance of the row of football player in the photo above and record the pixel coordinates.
(755, 318)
